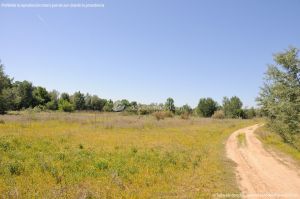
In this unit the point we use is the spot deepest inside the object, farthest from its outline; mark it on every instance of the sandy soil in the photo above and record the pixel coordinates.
(261, 173)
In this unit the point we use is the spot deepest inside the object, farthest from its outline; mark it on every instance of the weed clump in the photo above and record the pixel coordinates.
(185, 116)
(134, 150)
(16, 168)
(102, 164)
(5, 146)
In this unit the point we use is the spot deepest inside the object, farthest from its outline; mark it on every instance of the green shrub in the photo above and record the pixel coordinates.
(144, 111)
(65, 106)
(102, 164)
(52, 105)
(39, 108)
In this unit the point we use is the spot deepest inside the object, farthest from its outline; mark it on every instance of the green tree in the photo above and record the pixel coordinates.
(250, 113)
(186, 109)
(233, 107)
(53, 103)
(3, 105)
(88, 102)
(97, 103)
(24, 97)
(10, 98)
(169, 105)
(78, 101)
(206, 107)
(65, 96)
(133, 104)
(40, 96)
(108, 106)
(279, 98)
(5, 82)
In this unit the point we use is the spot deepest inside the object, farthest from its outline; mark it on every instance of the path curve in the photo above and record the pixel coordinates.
(259, 172)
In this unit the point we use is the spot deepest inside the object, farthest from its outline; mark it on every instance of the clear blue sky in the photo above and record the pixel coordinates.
(149, 50)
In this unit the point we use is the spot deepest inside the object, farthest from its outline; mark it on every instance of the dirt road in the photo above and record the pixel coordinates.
(261, 173)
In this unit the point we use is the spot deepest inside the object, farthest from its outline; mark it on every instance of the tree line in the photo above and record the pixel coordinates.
(19, 95)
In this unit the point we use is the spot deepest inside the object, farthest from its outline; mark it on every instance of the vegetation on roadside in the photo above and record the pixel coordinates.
(280, 97)
(241, 137)
(107, 155)
(274, 140)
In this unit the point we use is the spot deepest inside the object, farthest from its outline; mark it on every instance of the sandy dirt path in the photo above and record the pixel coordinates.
(261, 173)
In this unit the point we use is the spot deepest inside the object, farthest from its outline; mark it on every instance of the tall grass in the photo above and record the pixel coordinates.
(275, 141)
(92, 155)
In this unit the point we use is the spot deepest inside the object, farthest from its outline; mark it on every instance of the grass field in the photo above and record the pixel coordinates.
(88, 155)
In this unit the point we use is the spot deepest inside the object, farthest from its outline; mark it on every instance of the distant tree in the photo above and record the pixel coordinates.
(5, 83)
(40, 96)
(10, 98)
(280, 96)
(78, 101)
(97, 103)
(125, 103)
(24, 94)
(250, 113)
(185, 109)
(133, 104)
(88, 102)
(206, 107)
(108, 107)
(53, 103)
(3, 105)
(65, 96)
(233, 107)
(169, 105)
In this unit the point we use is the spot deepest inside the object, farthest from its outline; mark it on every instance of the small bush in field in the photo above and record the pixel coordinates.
(185, 116)
(168, 114)
(65, 106)
(218, 115)
(144, 111)
(159, 115)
